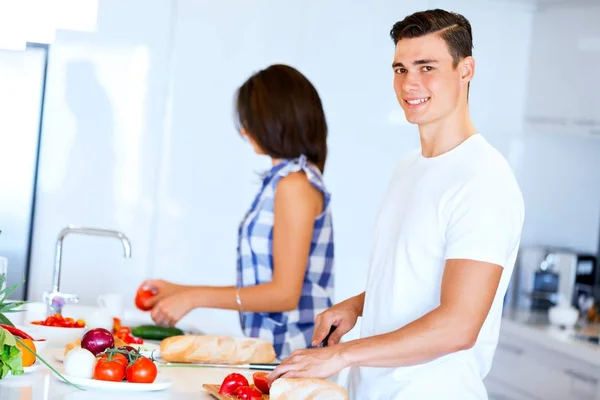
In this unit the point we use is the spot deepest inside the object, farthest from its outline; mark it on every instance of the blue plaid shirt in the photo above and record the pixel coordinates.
(291, 330)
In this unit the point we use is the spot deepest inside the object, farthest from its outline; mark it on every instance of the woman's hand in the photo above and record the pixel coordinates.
(168, 310)
(162, 289)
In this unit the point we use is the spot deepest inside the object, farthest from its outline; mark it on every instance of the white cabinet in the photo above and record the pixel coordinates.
(563, 92)
(523, 369)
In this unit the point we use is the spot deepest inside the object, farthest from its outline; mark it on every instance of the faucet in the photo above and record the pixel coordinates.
(55, 300)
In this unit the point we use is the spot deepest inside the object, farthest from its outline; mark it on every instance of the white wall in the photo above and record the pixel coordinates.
(560, 168)
(170, 170)
(102, 133)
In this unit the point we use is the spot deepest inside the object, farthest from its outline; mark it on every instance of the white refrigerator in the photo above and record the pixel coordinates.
(22, 77)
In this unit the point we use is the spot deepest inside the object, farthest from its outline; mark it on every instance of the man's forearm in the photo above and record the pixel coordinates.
(434, 335)
(358, 302)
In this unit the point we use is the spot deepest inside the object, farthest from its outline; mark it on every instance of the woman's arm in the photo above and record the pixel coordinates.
(297, 204)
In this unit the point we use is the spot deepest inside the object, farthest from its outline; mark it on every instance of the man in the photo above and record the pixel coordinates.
(445, 243)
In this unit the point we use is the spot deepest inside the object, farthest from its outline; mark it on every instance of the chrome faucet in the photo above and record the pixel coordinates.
(55, 300)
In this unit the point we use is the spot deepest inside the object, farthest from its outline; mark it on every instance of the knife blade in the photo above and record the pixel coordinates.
(255, 367)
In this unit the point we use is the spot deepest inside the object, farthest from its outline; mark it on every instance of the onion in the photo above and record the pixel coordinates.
(97, 340)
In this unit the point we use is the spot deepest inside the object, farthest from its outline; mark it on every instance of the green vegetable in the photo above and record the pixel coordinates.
(10, 355)
(155, 332)
(5, 321)
(6, 307)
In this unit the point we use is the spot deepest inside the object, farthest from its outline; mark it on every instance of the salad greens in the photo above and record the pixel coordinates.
(10, 355)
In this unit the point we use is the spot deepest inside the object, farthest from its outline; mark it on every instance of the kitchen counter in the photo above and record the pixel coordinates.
(535, 327)
(43, 385)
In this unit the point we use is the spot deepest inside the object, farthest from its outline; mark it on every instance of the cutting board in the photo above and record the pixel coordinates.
(214, 390)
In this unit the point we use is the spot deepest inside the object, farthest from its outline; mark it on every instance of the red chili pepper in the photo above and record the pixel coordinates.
(16, 332)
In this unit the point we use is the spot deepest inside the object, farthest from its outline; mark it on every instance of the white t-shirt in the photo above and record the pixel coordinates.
(465, 203)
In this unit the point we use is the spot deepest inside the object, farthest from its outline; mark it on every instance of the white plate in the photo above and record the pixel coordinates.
(162, 382)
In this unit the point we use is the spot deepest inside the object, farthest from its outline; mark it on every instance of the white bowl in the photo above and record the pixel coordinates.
(40, 345)
(56, 336)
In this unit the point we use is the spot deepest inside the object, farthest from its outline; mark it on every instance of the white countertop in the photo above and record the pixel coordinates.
(534, 327)
(43, 385)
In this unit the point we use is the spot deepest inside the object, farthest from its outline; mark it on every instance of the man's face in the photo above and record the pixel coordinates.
(427, 84)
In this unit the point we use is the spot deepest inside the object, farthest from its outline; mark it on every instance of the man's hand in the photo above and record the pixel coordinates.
(311, 363)
(343, 316)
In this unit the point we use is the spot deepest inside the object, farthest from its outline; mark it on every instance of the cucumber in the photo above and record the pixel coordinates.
(155, 332)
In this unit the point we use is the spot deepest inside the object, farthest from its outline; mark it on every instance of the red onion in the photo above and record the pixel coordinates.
(97, 340)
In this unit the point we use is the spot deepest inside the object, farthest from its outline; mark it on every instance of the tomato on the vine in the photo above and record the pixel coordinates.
(116, 357)
(143, 370)
(105, 370)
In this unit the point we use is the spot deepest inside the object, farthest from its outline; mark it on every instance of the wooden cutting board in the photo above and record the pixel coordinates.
(214, 390)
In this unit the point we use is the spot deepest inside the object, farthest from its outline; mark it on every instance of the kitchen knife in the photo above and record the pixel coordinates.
(324, 342)
(256, 367)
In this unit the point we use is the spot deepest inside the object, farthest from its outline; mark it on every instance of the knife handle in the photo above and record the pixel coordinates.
(324, 342)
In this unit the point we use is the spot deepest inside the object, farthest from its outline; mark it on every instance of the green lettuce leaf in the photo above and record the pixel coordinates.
(10, 355)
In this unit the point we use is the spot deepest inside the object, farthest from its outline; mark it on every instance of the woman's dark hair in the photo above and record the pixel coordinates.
(282, 111)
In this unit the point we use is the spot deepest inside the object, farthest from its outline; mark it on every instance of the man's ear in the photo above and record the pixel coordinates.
(467, 69)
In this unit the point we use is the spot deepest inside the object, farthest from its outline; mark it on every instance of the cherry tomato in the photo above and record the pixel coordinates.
(117, 357)
(143, 294)
(142, 371)
(232, 382)
(261, 381)
(109, 371)
(248, 393)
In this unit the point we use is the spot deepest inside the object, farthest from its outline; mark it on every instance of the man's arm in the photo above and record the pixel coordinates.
(467, 293)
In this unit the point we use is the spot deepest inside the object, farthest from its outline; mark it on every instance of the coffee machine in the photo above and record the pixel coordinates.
(547, 276)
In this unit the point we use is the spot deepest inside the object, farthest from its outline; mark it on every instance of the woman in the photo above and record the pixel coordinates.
(285, 240)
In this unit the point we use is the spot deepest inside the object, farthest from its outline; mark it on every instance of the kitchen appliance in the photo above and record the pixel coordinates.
(549, 276)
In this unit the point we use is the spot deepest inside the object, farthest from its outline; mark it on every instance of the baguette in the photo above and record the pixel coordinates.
(216, 349)
(306, 389)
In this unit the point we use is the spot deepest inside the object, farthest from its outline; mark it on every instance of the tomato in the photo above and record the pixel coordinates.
(247, 393)
(59, 321)
(142, 371)
(116, 357)
(261, 381)
(143, 294)
(109, 371)
(232, 382)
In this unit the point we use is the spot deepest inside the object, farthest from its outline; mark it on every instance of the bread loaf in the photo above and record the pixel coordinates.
(306, 389)
(216, 349)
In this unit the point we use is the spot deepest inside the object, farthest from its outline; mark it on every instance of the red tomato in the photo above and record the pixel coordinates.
(232, 382)
(261, 381)
(248, 393)
(142, 371)
(117, 357)
(143, 294)
(109, 371)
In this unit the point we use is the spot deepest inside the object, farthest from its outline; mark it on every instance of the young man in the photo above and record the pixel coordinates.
(446, 240)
